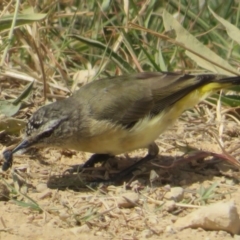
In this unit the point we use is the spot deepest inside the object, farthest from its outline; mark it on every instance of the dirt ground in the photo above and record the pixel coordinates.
(46, 203)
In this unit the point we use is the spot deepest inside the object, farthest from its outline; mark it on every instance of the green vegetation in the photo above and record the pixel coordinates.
(112, 37)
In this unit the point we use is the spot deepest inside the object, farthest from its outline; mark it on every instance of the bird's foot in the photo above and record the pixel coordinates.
(95, 158)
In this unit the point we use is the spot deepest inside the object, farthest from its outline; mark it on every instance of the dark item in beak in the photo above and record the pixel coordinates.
(8, 160)
(8, 154)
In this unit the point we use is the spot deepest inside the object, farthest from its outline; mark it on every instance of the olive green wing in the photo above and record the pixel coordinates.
(127, 99)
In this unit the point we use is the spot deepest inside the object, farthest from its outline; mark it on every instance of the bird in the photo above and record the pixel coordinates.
(118, 114)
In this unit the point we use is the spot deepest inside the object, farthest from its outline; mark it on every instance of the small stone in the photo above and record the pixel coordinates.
(78, 230)
(147, 233)
(213, 234)
(152, 220)
(236, 237)
(99, 233)
(230, 182)
(176, 194)
(41, 187)
(223, 180)
(128, 200)
(169, 229)
(45, 194)
(167, 187)
(169, 206)
(222, 217)
(222, 233)
(63, 214)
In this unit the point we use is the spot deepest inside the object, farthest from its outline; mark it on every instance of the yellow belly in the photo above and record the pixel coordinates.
(107, 138)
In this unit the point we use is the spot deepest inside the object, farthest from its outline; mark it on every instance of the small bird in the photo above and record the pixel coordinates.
(119, 114)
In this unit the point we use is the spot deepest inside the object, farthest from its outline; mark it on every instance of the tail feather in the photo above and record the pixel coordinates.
(232, 80)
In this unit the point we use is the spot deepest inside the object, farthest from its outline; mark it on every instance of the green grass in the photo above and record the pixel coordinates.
(106, 40)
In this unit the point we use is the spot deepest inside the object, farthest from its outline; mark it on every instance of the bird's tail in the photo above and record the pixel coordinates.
(229, 80)
(218, 83)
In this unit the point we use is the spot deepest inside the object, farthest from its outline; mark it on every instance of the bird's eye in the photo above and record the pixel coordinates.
(46, 134)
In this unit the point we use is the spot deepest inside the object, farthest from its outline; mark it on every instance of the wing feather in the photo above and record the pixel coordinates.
(127, 99)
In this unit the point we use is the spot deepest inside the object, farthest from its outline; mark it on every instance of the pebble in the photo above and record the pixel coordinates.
(128, 200)
(221, 216)
(41, 187)
(169, 229)
(176, 194)
(236, 237)
(82, 229)
(147, 233)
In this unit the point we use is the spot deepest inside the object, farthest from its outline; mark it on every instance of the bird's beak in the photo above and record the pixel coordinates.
(24, 144)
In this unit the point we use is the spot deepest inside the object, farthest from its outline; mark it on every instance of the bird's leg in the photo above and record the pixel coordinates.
(152, 153)
(95, 158)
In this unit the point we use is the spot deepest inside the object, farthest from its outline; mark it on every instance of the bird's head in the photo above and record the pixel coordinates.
(45, 128)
